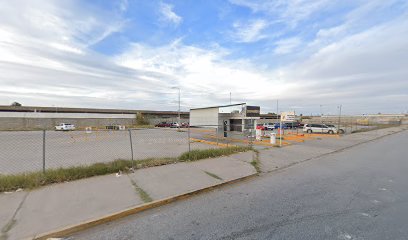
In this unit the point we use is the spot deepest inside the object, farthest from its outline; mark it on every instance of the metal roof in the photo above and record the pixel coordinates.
(229, 105)
(4, 108)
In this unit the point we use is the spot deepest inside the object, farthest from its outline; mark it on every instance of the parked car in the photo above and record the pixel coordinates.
(184, 125)
(293, 125)
(341, 131)
(260, 126)
(319, 128)
(65, 127)
(163, 124)
(278, 125)
(174, 125)
(269, 126)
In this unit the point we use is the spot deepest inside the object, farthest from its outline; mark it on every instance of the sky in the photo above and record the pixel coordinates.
(312, 56)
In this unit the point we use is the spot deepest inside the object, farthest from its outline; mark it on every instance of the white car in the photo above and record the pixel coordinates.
(319, 128)
(65, 127)
(269, 126)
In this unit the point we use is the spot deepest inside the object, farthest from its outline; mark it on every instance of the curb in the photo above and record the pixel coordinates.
(68, 230)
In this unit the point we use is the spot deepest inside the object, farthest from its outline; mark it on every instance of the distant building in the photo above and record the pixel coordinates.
(32, 118)
(236, 117)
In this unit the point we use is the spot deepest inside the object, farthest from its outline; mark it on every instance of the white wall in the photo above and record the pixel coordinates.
(207, 116)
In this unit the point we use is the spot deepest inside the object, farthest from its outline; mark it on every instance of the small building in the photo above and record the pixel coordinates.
(234, 117)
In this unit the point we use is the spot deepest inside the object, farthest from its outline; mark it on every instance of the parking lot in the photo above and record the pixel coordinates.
(22, 151)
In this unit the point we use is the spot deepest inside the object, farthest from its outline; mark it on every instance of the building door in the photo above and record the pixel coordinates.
(236, 125)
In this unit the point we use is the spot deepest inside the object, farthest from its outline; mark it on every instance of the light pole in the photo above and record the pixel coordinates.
(339, 115)
(321, 114)
(179, 93)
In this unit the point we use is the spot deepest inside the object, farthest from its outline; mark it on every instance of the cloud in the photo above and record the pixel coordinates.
(289, 12)
(249, 32)
(365, 71)
(205, 77)
(285, 46)
(168, 15)
(123, 5)
(46, 58)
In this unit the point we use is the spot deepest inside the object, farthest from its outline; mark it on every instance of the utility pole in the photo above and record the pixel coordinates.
(277, 108)
(179, 93)
(339, 115)
(321, 114)
(230, 99)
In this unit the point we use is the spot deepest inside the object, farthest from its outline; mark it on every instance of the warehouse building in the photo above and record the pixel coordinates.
(34, 118)
(234, 117)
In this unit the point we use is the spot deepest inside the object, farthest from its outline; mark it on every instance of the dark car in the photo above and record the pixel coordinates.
(163, 124)
(278, 125)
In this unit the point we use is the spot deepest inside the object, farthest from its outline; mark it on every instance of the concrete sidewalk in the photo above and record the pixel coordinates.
(26, 214)
(278, 158)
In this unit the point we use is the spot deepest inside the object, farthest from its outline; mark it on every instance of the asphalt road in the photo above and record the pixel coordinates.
(359, 193)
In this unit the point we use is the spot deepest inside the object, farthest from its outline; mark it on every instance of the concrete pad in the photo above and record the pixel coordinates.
(281, 157)
(244, 157)
(9, 203)
(169, 180)
(60, 205)
(226, 168)
(332, 144)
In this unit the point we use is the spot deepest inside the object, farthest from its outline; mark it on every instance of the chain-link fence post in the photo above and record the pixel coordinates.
(188, 136)
(131, 148)
(216, 134)
(43, 160)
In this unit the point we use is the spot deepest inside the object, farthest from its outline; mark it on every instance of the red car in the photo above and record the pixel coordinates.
(163, 124)
(260, 126)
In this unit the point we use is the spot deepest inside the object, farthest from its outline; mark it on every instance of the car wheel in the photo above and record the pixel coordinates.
(331, 132)
(341, 131)
(309, 131)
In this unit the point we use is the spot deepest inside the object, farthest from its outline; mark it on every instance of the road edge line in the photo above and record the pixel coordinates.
(63, 232)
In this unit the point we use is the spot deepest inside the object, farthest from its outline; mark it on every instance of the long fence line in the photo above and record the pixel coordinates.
(33, 151)
(29, 151)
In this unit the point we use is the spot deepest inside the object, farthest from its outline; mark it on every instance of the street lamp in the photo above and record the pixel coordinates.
(321, 114)
(339, 107)
(179, 91)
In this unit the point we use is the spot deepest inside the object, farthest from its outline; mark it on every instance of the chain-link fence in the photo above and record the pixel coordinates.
(30, 151)
(352, 125)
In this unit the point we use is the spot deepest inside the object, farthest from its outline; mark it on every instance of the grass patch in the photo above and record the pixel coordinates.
(213, 175)
(255, 161)
(211, 153)
(143, 126)
(142, 193)
(37, 179)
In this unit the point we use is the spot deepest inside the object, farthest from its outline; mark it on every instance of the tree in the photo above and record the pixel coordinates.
(141, 120)
(16, 104)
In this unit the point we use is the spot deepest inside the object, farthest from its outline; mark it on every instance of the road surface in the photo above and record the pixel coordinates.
(359, 193)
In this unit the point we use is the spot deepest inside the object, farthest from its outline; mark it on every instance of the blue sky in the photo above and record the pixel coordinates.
(128, 54)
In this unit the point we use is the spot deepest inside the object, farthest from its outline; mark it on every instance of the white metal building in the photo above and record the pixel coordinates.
(236, 117)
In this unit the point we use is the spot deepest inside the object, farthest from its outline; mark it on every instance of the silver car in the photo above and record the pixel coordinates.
(319, 128)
